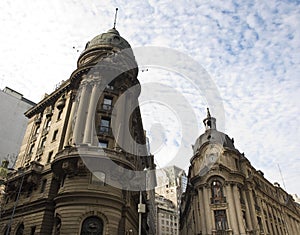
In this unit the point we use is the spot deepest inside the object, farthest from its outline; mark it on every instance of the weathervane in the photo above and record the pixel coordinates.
(115, 18)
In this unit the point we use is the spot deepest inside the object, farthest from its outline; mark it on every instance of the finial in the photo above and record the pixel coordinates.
(115, 18)
(208, 113)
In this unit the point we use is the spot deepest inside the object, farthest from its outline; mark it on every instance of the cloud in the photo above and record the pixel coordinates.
(250, 49)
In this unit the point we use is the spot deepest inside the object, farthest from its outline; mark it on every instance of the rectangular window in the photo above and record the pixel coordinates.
(49, 157)
(43, 142)
(103, 144)
(105, 125)
(54, 135)
(48, 124)
(37, 130)
(107, 103)
(32, 232)
(221, 220)
(59, 114)
(43, 187)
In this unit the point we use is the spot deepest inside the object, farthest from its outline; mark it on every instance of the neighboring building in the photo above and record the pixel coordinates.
(81, 149)
(227, 195)
(171, 183)
(13, 122)
(166, 216)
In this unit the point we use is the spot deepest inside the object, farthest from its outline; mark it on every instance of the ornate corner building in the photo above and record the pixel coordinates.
(227, 195)
(80, 152)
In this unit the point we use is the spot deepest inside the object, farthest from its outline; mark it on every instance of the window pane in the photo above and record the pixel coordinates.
(103, 144)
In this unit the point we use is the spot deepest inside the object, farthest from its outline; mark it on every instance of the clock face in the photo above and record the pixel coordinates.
(212, 154)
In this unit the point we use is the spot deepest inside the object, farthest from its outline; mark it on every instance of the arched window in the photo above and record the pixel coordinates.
(92, 226)
(6, 232)
(20, 230)
(57, 225)
(217, 192)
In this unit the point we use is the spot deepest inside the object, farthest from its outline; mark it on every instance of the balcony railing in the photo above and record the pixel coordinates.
(217, 200)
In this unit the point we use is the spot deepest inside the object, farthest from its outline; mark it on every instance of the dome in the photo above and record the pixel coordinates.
(212, 135)
(110, 38)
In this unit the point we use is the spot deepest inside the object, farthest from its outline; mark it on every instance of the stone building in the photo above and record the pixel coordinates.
(13, 105)
(171, 183)
(80, 166)
(227, 195)
(166, 216)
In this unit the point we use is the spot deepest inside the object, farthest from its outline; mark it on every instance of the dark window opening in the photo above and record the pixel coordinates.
(59, 114)
(57, 225)
(220, 221)
(37, 130)
(48, 124)
(55, 135)
(43, 187)
(49, 157)
(103, 144)
(43, 142)
(92, 226)
(20, 230)
(32, 231)
(105, 125)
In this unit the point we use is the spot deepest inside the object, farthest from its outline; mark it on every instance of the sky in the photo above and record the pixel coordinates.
(249, 49)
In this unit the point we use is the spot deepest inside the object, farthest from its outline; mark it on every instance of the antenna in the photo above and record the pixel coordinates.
(281, 177)
(115, 18)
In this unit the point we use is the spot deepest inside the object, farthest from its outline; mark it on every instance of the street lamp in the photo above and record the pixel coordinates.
(141, 206)
(16, 202)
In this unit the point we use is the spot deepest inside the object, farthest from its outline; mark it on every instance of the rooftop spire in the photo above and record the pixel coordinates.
(208, 113)
(115, 21)
(209, 121)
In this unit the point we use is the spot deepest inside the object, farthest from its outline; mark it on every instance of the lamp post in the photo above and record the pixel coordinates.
(15, 205)
(141, 206)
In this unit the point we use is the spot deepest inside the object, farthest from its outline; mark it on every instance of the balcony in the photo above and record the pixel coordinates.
(218, 200)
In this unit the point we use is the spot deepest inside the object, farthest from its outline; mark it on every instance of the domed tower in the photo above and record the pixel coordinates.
(225, 194)
(84, 150)
(214, 181)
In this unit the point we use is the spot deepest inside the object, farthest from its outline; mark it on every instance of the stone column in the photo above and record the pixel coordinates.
(265, 218)
(81, 112)
(207, 210)
(118, 122)
(248, 214)
(251, 209)
(231, 207)
(73, 102)
(87, 139)
(202, 211)
(197, 217)
(238, 208)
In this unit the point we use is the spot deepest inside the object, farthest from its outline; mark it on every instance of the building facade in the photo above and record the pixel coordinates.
(171, 183)
(227, 195)
(13, 123)
(166, 216)
(83, 143)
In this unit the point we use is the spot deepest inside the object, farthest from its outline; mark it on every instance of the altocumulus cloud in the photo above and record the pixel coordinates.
(250, 49)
